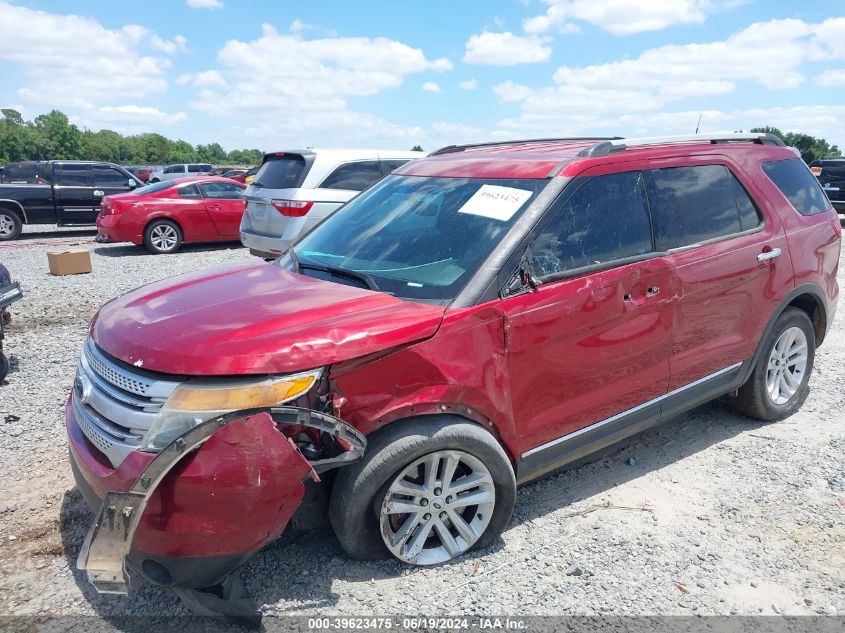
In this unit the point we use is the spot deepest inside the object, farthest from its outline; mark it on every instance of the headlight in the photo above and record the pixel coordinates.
(194, 402)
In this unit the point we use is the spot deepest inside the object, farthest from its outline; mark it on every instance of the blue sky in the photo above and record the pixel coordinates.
(264, 74)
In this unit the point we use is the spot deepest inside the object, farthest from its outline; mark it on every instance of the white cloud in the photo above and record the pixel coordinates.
(302, 95)
(430, 86)
(620, 17)
(468, 84)
(73, 61)
(506, 49)
(511, 92)
(830, 78)
(204, 4)
(202, 79)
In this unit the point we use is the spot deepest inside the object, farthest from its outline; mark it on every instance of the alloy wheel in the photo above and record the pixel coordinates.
(436, 508)
(7, 225)
(164, 237)
(787, 365)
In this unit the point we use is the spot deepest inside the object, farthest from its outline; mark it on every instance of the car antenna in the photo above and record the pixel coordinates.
(698, 125)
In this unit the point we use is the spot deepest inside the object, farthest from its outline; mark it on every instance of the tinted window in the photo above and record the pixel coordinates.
(109, 177)
(798, 185)
(152, 188)
(833, 172)
(281, 172)
(190, 191)
(195, 169)
(749, 216)
(389, 165)
(75, 175)
(353, 176)
(692, 204)
(604, 220)
(417, 237)
(174, 169)
(221, 191)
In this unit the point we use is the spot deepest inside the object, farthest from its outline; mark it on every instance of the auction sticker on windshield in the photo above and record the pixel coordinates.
(498, 203)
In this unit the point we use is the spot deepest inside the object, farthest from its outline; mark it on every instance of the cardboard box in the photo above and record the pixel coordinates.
(70, 262)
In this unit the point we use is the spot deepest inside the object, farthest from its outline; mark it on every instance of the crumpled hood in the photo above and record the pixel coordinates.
(254, 318)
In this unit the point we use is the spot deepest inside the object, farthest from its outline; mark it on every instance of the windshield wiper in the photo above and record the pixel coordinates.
(337, 271)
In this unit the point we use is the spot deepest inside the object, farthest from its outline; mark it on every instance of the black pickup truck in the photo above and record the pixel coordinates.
(69, 196)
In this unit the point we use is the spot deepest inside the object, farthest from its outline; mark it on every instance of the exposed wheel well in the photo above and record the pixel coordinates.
(814, 309)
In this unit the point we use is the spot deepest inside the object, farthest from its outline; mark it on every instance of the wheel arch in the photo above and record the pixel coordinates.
(811, 300)
(169, 218)
(15, 206)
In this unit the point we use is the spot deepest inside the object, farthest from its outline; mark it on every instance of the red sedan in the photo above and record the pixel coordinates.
(165, 214)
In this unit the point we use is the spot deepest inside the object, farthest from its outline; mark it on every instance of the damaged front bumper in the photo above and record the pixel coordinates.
(109, 541)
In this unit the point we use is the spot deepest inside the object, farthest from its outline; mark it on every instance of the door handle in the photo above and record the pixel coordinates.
(767, 255)
(652, 290)
(214, 207)
(98, 193)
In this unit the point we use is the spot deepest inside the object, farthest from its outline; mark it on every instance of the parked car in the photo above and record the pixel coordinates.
(180, 171)
(70, 196)
(164, 215)
(831, 175)
(251, 173)
(477, 319)
(35, 172)
(295, 190)
(141, 173)
(9, 293)
(238, 175)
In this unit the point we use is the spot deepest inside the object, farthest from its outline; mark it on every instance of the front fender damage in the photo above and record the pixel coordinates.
(109, 540)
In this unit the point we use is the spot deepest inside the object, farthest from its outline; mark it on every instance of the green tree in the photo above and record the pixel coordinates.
(417, 148)
(811, 147)
(56, 137)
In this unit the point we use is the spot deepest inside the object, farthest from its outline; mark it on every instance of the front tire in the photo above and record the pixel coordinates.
(428, 490)
(162, 237)
(10, 225)
(780, 380)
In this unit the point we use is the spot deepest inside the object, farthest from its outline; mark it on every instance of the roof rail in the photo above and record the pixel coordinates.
(620, 145)
(451, 149)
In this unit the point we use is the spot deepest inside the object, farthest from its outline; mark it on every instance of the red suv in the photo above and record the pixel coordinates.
(476, 319)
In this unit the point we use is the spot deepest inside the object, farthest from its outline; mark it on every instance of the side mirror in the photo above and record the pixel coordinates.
(132, 183)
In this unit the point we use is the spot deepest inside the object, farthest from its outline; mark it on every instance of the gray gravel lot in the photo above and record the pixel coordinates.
(707, 514)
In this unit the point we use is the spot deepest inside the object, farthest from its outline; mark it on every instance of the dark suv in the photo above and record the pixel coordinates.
(831, 175)
(476, 319)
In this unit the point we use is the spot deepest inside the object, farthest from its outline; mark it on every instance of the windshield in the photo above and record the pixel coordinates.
(416, 237)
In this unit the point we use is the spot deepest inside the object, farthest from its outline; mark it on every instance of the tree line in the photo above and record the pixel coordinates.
(52, 136)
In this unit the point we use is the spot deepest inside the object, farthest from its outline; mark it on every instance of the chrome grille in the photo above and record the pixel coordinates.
(119, 403)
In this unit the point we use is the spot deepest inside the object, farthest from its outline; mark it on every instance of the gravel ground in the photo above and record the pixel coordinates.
(707, 514)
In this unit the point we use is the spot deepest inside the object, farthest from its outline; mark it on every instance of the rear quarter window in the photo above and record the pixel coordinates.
(799, 186)
(353, 176)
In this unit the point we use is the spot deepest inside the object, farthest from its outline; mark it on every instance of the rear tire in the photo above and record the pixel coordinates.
(780, 379)
(11, 226)
(364, 521)
(162, 237)
(4, 367)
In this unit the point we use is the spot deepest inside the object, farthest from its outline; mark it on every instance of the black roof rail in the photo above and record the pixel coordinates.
(451, 149)
(612, 146)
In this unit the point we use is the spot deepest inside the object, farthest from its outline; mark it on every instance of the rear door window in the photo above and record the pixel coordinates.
(798, 185)
(691, 205)
(75, 176)
(606, 219)
(174, 169)
(281, 172)
(195, 169)
(353, 176)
